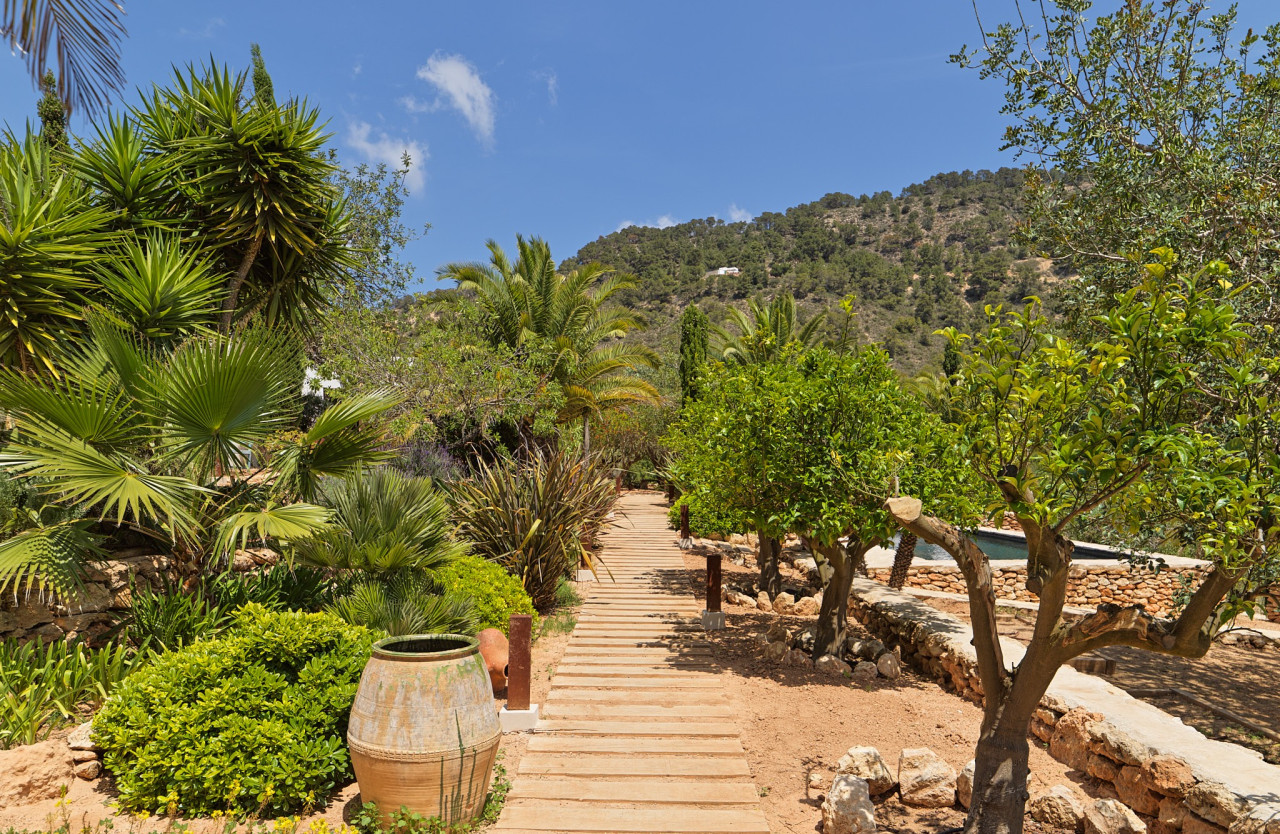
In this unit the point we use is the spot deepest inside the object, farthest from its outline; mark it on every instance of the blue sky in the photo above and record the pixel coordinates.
(568, 120)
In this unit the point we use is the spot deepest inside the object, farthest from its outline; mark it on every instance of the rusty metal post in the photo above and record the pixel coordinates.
(519, 661)
(617, 484)
(684, 521)
(713, 581)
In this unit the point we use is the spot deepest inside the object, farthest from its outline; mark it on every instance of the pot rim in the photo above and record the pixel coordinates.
(472, 646)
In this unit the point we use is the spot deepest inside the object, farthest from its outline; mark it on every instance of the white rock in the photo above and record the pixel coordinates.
(1059, 807)
(1216, 803)
(831, 665)
(925, 780)
(1110, 816)
(762, 602)
(816, 781)
(847, 808)
(80, 738)
(889, 666)
(964, 783)
(867, 764)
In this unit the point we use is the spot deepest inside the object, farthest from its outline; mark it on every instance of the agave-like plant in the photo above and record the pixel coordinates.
(390, 531)
(537, 519)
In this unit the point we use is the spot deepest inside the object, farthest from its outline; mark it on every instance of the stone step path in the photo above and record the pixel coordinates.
(637, 733)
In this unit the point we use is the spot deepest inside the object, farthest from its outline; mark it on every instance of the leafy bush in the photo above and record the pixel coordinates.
(249, 721)
(43, 685)
(704, 520)
(535, 519)
(390, 535)
(278, 588)
(495, 593)
(169, 618)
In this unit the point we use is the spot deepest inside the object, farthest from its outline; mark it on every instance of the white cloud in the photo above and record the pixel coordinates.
(389, 150)
(414, 105)
(737, 215)
(662, 222)
(458, 81)
(203, 32)
(553, 85)
(357, 69)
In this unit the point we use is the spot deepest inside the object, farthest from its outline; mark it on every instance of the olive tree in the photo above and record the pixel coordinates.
(1115, 425)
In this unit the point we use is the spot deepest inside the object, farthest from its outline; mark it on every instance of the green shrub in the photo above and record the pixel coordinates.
(535, 519)
(495, 593)
(249, 721)
(278, 588)
(170, 618)
(703, 520)
(44, 685)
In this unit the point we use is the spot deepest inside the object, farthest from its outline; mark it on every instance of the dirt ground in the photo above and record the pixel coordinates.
(795, 721)
(1254, 693)
(89, 803)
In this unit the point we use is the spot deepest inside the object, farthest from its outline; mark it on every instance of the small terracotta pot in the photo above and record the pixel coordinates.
(494, 649)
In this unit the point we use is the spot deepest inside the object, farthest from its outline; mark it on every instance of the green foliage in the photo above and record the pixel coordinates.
(169, 618)
(693, 350)
(281, 587)
(570, 320)
(249, 722)
(495, 593)
(263, 90)
(766, 333)
(52, 113)
(391, 533)
(705, 519)
(45, 685)
(535, 519)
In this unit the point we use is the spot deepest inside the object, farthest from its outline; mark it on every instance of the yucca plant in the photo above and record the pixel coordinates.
(535, 519)
(389, 533)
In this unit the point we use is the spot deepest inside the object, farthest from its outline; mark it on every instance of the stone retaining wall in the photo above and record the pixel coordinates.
(104, 600)
(1090, 583)
(1167, 772)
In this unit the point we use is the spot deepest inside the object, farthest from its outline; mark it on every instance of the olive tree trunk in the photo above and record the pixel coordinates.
(833, 616)
(1011, 695)
(767, 560)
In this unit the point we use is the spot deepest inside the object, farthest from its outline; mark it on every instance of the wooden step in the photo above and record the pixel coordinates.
(530, 815)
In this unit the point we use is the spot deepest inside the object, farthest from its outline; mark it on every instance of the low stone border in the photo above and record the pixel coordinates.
(1170, 773)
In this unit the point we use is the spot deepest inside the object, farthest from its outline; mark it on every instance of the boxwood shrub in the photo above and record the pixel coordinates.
(496, 593)
(251, 721)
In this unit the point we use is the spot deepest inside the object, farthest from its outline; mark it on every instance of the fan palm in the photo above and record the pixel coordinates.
(152, 438)
(764, 332)
(83, 34)
(390, 533)
(566, 320)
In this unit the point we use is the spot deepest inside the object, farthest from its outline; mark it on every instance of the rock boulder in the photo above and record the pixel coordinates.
(1058, 807)
(1110, 816)
(964, 784)
(925, 780)
(867, 764)
(847, 808)
(34, 772)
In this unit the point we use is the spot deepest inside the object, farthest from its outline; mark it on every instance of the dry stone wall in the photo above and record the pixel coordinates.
(1090, 583)
(104, 600)
(1170, 774)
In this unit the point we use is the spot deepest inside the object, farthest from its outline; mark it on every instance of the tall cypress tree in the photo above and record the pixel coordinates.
(263, 90)
(693, 350)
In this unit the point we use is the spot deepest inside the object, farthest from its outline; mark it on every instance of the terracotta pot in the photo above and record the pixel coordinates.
(424, 732)
(495, 649)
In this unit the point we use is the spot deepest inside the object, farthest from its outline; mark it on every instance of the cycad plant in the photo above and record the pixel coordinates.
(390, 532)
(537, 520)
(569, 322)
(161, 442)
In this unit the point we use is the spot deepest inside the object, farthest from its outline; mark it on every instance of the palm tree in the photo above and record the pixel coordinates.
(85, 36)
(390, 533)
(158, 440)
(565, 321)
(764, 332)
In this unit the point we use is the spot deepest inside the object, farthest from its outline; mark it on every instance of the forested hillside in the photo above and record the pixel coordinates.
(927, 258)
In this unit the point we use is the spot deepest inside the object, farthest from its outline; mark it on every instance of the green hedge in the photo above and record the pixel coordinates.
(496, 594)
(250, 721)
(704, 521)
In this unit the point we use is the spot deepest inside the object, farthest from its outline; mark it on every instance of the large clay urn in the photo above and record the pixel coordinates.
(424, 732)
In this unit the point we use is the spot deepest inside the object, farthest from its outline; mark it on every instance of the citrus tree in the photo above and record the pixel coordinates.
(1116, 426)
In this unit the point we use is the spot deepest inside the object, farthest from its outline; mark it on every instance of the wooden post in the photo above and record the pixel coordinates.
(519, 661)
(713, 581)
(617, 484)
(684, 521)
